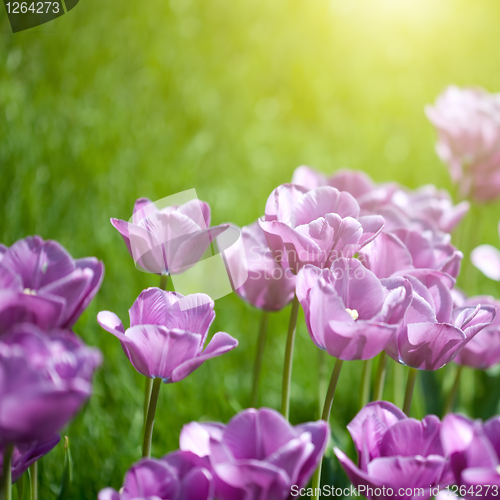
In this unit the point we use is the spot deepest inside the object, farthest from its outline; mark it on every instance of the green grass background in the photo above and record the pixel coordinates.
(118, 100)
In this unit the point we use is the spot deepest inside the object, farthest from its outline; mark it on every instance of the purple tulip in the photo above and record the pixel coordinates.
(482, 351)
(180, 475)
(404, 249)
(395, 453)
(258, 454)
(26, 454)
(349, 312)
(315, 227)
(44, 380)
(469, 139)
(474, 451)
(167, 333)
(433, 332)
(168, 240)
(41, 283)
(425, 208)
(268, 286)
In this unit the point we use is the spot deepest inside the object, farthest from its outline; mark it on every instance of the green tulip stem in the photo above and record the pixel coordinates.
(410, 385)
(378, 391)
(6, 480)
(327, 408)
(364, 395)
(287, 368)
(150, 420)
(261, 341)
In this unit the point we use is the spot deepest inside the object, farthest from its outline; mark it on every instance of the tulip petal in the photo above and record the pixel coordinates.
(429, 346)
(111, 323)
(487, 259)
(195, 437)
(196, 485)
(221, 343)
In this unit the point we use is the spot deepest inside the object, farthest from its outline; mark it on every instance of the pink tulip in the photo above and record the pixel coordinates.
(315, 226)
(468, 125)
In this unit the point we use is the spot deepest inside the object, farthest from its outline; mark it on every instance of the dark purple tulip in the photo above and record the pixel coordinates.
(26, 454)
(474, 451)
(433, 332)
(482, 351)
(168, 240)
(167, 333)
(180, 475)
(258, 454)
(349, 312)
(315, 226)
(268, 286)
(41, 283)
(394, 453)
(425, 208)
(44, 380)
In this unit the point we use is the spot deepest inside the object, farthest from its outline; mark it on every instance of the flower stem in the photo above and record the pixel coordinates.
(410, 384)
(261, 341)
(364, 395)
(150, 420)
(163, 281)
(34, 481)
(380, 377)
(327, 408)
(453, 392)
(6, 480)
(147, 396)
(287, 368)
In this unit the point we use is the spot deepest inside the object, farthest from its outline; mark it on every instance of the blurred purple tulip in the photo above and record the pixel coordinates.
(487, 259)
(44, 380)
(349, 312)
(258, 454)
(395, 452)
(433, 332)
(268, 286)
(26, 454)
(180, 475)
(315, 226)
(405, 249)
(41, 283)
(424, 208)
(167, 333)
(468, 125)
(474, 451)
(168, 240)
(483, 350)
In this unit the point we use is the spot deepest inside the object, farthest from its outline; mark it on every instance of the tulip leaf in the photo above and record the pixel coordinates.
(65, 486)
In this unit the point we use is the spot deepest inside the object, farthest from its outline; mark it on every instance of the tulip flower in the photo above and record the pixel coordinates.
(424, 208)
(398, 457)
(433, 332)
(474, 451)
(46, 378)
(169, 240)
(404, 249)
(167, 333)
(468, 127)
(165, 340)
(26, 454)
(315, 226)
(268, 287)
(483, 350)
(180, 475)
(41, 283)
(258, 454)
(348, 310)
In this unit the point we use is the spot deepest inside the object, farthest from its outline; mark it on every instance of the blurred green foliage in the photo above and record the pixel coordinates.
(118, 100)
